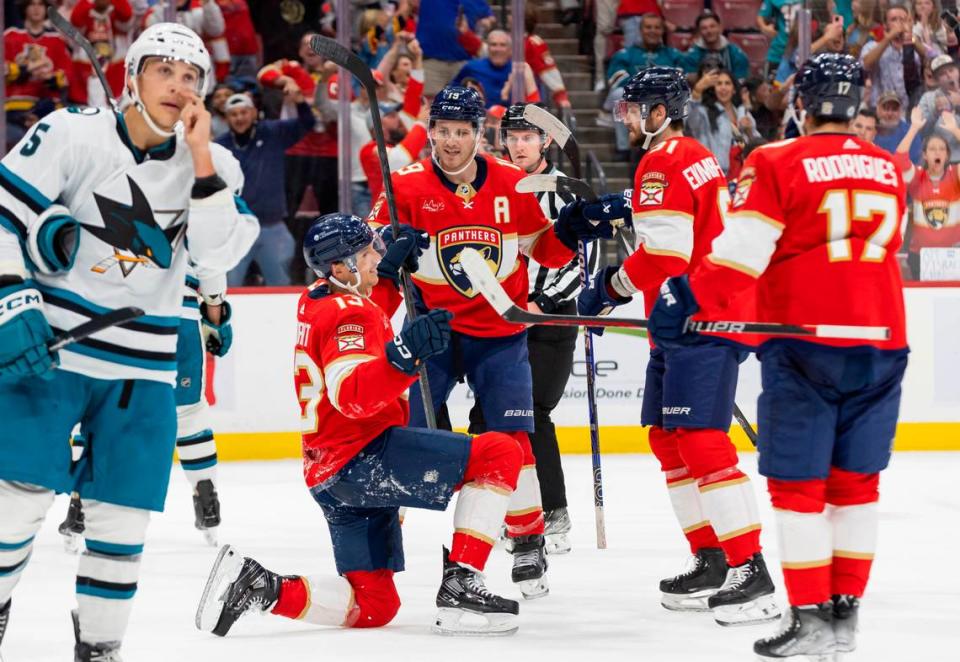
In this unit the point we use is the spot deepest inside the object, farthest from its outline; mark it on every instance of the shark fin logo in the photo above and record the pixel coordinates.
(136, 237)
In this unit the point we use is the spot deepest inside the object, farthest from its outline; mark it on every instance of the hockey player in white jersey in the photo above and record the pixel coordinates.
(96, 211)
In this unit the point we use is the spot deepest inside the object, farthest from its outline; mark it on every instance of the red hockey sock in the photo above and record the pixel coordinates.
(525, 512)
(294, 598)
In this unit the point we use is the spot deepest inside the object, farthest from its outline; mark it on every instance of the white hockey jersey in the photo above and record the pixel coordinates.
(137, 219)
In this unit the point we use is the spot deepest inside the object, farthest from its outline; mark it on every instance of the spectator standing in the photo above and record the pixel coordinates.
(241, 38)
(775, 19)
(605, 19)
(864, 27)
(439, 36)
(892, 62)
(892, 127)
(259, 146)
(934, 189)
(105, 23)
(940, 106)
(38, 70)
(281, 24)
(492, 71)
(711, 43)
(717, 118)
(929, 32)
(537, 55)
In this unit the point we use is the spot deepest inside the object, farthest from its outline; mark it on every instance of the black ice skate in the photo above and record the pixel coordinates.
(206, 508)
(4, 618)
(467, 607)
(746, 597)
(100, 652)
(72, 527)
(705, 573)
(530, 566)
(846, 610)
(237, 586)
(556, 527)
(805, 633)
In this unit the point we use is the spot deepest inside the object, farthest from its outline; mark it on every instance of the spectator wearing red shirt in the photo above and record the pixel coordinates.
(105, 23)
(241, 38)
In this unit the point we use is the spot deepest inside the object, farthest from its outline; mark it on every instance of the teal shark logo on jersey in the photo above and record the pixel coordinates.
(134, 234)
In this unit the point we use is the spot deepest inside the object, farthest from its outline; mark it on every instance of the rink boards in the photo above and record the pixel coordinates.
(256, 413)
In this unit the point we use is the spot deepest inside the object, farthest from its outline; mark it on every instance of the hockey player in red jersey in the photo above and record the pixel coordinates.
(464, 200)
(679, 198)
(815, 226)
(351, 377)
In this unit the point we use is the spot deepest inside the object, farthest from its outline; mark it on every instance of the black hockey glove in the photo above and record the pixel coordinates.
(572, 225)
(427, 335)
(404, 251)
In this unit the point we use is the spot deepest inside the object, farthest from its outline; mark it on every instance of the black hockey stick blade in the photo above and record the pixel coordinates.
(556, 184)
(95, 325)
(70, 32)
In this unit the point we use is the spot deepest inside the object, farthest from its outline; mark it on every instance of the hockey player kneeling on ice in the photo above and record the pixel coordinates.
(362, 464)
(104, 210)
(462, 199)
(679, 200)
(828, 410)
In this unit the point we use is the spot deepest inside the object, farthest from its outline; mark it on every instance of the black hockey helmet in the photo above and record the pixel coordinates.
(655, 86)
(513, 120)
(830, 86)
(458, 103)
(335, 238)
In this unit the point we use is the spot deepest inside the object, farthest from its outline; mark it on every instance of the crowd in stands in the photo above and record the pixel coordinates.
(275, 102)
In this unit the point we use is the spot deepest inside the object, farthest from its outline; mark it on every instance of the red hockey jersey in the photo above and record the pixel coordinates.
(46, 53)
(815, 223)
(489, 216)
(348, 392)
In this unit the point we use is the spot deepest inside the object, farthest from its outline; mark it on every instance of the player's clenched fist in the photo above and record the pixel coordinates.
(592, 220)
(668, 319)
(402, 251)
(426, 336)
(24, 333)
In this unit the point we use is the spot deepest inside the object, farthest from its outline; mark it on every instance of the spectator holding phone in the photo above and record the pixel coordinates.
(892, 62)
(717, 117)
(929, 32)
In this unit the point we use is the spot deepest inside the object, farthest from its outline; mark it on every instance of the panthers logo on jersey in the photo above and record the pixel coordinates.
(485, 240)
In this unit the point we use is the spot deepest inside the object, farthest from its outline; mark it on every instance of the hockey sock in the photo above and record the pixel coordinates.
(726, 494)
(854, 517)
(806, 538)
(525, 512)
(24, 508)
(109, 569)
(683, 492)
(198, 456)
(490, 478)
(322, 600)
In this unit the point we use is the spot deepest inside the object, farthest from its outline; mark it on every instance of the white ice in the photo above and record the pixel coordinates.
(603, 604)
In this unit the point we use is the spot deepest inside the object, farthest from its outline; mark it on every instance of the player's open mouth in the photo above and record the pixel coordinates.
(171, 105)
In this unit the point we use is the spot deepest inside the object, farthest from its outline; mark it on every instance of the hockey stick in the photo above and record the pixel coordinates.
(486, 283)
(70, 32)
(344, 57)
(556, 184)
(98, 323)
(558, 131)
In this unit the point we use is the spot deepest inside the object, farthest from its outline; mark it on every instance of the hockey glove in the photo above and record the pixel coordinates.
(599, 298)
(674, 307)
(404, 251)
(24, 334)
(427, 335)
(217, 338)
(52, 243)
(613, 208)
(572, 226)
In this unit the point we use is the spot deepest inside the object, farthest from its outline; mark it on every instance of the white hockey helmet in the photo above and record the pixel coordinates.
(170, 41)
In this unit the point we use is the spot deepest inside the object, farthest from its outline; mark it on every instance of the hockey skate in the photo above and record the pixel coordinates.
(530, 566)
(746, 597)
(237, 586)
(466, 607)
(703, 576)
(556, 527)
(4, 619)
(846, 610)
(206, 508)
(805, 633)
(100, 652)
(72, 527)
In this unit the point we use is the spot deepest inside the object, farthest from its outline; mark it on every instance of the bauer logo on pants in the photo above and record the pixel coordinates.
(450, 242)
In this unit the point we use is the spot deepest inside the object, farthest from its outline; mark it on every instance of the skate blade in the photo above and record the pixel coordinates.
(460, 623)
(534, 589)
(72, 542)
(692, 602)
(224, 572)
(557, 543)
(821, 657)
(762, 610)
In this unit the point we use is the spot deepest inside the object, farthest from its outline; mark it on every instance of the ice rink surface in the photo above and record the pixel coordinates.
(603, 604)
